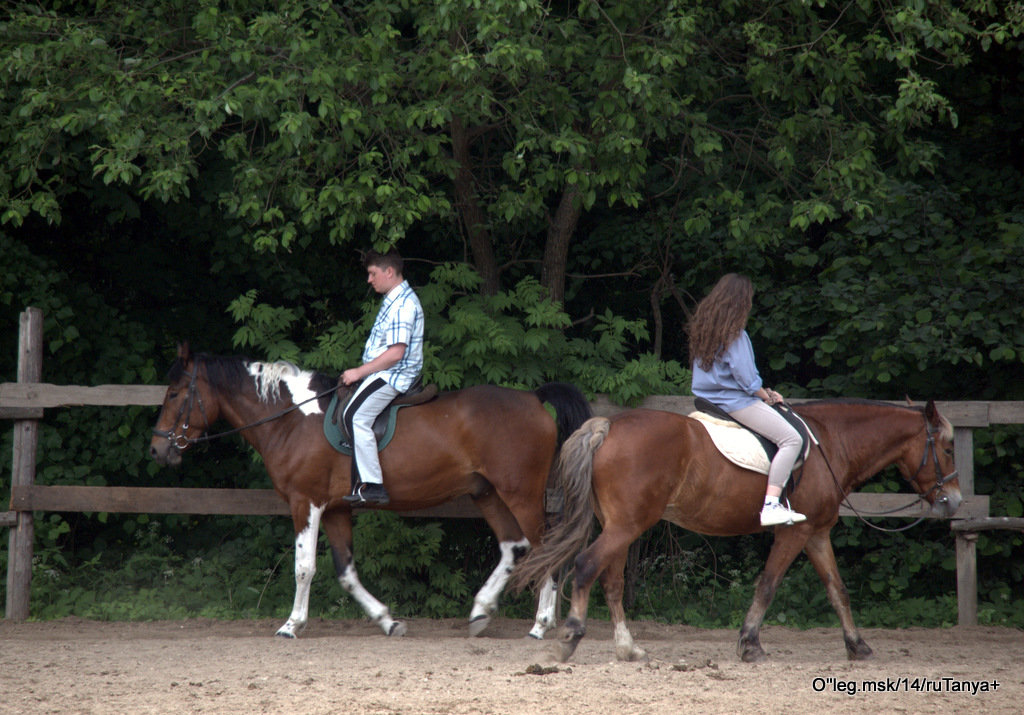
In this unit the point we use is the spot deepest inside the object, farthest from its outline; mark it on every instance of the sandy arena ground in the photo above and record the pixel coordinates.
(75, 666)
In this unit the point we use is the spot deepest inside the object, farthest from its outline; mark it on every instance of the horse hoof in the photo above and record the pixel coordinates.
(397, 630)
(859, 651)
(632, 654)
(290, 630)
(568, 639)
(753, 655)
(478, 625)
(563, 650)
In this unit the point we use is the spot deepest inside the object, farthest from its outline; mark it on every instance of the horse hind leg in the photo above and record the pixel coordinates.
(514, 532)
(607, 553)
(613, 583)
(485, 603)
(305, 569)
(338, 525)
(547, 605)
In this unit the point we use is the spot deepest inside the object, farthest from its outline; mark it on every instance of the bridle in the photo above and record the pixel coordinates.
(181, 441)
(930, 447)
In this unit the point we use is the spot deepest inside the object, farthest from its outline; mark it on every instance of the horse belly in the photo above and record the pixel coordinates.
(717, 498)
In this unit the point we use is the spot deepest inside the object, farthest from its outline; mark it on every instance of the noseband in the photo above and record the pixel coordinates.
(180, 440)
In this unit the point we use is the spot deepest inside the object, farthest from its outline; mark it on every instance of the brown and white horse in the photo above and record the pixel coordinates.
(495, 444)
(642, 465)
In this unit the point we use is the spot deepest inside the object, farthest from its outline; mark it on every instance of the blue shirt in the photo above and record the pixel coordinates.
(399, 320)
(733, 378)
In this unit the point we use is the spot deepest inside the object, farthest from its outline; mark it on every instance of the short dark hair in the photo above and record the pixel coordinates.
(391, 259)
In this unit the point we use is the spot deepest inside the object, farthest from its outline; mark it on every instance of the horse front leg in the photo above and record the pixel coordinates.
(306, 518)
(338, 526)
(819, 551)
(788, 543)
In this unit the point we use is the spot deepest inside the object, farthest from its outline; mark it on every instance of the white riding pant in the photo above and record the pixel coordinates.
(764, 420)
(372, 396)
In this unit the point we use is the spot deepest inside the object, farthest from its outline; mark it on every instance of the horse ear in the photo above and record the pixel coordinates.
(184, 352)
(931, 413)
(910, 403)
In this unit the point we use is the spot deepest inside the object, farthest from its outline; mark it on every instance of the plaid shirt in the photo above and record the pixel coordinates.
(399, 320)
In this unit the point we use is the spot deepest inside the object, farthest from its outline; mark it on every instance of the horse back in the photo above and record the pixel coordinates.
(485, 429)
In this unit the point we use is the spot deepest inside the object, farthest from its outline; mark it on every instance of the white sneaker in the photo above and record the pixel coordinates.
(775, 514)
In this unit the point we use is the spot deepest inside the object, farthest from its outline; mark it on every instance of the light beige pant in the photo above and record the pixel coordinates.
(764, 420)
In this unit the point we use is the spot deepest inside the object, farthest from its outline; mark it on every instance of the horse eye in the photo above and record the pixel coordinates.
(173, 395)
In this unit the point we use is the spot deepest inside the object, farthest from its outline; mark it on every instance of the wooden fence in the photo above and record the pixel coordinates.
(25, 400)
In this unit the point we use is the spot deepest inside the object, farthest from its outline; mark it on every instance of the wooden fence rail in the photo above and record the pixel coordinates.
(25, 400)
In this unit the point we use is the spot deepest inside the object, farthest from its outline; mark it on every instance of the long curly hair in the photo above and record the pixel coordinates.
(720, 318)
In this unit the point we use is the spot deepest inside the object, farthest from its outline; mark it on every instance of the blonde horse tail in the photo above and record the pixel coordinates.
(574, 472)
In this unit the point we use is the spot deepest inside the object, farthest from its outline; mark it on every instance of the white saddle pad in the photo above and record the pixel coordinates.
(736, 443)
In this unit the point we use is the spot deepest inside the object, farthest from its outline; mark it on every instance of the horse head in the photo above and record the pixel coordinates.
(185, 414)
(929, 466)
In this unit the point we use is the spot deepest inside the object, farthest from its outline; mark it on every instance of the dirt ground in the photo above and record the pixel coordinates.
(76, 666)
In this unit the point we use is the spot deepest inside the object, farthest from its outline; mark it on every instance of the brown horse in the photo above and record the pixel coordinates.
(644, 465)
(495, 444)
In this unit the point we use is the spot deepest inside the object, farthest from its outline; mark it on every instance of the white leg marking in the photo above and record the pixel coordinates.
(485, 604)
(373, 608)
(624, 647)
(305, 568)
(547, 599)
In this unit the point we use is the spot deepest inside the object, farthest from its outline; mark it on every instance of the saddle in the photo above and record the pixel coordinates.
(744, 447)
(383, 427)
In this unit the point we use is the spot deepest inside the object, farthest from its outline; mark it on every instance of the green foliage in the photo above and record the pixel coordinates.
(202, 171)
(400, 557)
(518, 338)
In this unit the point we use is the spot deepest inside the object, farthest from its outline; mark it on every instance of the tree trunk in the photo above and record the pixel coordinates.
(473, 218)
(561, 227)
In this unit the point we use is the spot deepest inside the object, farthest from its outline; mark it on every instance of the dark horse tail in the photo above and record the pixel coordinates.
(571, 407)
(574, 475)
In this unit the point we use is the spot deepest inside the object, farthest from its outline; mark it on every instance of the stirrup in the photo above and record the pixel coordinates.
(368, 494)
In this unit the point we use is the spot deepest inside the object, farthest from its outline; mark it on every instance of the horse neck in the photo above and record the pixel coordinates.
(864, 438)
(243, 407)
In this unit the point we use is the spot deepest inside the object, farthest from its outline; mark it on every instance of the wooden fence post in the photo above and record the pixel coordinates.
(967, 578)
(23, 469)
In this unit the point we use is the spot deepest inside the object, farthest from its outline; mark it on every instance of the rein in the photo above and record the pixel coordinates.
(940, 481)
(183, 441)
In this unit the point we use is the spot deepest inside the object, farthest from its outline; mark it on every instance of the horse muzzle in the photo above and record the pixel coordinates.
(946, 503)
(165, 452)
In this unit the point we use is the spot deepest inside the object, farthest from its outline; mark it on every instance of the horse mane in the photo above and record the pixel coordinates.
(227, 374)
(947, 426)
